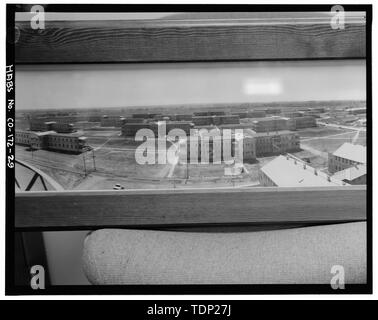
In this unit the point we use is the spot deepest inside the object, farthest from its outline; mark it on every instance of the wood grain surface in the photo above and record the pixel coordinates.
(90, 210)
(188, 40)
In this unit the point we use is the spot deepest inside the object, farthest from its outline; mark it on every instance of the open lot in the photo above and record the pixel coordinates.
(320, 131)
(114, 162)
(361, 139)
(331, 143)
(110, 163)
(315, 149)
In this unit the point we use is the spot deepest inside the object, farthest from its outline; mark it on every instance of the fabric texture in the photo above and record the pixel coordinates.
(292, 256)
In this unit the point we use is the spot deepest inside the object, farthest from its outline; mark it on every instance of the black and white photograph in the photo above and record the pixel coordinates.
(188, 150)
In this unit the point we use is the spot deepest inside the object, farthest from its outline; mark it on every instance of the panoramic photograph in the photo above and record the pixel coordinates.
(241, 125)
(189, 148)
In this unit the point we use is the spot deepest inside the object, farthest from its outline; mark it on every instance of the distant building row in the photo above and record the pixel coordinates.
(130, 129)
(66, 118)
(291, 121)
(300, 119)
(277, 123)
(200, 120)
(357, 110)
(111, 120)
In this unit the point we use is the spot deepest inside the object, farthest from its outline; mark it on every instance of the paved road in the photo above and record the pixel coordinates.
(356, 136)
(341, 126)
(325, 137)
(110, 138)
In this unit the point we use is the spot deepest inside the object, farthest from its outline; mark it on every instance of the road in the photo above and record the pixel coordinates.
(110, 138)
(341, 126)
(356, 136)
(326, 137)
(306, 147)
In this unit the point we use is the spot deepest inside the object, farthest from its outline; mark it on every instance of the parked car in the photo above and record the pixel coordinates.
(117, 186)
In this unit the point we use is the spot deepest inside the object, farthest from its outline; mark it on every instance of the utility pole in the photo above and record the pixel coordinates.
(187, 169)
(94, 162)
(31, 149)
(85, 167)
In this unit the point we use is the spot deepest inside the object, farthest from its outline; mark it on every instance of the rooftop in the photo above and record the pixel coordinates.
(37, 133)
(351, 173)
(286, 171)
(73, 134)
(173, 122)
(270, 118)
(354, 152)
(42, 133)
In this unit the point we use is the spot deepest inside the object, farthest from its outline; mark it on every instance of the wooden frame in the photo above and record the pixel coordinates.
(143, 208)
(180, 40)
(164, 40)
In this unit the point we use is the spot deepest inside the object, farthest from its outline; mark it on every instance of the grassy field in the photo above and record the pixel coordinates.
(361, 138)
(115, 163)
(199, 170)
(320, 132)
(331, 143)
(68, 169)
(316, 149)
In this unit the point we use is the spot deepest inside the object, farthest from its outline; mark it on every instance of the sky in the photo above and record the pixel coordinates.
(122, 85)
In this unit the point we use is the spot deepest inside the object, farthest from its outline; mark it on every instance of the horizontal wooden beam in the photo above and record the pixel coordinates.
(97, 209)
(189, 40)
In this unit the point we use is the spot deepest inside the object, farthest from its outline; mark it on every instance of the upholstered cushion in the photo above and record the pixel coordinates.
(300, 255)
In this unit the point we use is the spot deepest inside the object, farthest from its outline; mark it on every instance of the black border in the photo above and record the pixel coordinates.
(10, 173)
(11, 289)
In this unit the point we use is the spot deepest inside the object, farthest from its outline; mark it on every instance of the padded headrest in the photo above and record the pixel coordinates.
(290, 256)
